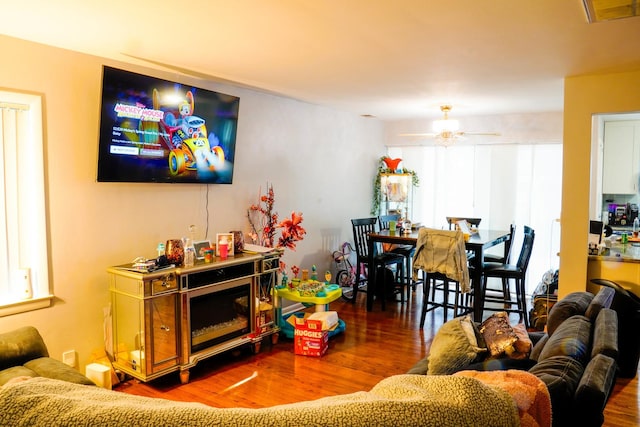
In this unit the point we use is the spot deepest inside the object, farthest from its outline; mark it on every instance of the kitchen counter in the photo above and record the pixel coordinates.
(629, 252)
(621, 228)
(620, 263)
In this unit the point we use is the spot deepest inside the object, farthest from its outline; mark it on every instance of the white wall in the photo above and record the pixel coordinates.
(320, 161)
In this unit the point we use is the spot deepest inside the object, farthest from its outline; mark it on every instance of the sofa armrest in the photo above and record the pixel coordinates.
(593, 390)
(605, 334)
(55, 369)
(21, 345)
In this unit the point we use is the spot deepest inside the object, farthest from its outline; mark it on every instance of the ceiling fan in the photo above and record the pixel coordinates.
(446, 131)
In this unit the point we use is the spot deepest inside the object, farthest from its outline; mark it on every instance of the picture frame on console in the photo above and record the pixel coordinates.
(199, 248)
(230, 246)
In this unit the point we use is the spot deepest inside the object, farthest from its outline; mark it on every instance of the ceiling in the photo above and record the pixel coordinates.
(393, 60)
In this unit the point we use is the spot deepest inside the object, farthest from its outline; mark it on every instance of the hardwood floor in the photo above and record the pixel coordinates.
(374, 345)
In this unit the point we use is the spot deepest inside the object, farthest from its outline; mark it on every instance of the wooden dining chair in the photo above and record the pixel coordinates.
(406, 251)
(506, 272)
(473, 222)
(452, 220)
(503, 259)
(361, 228)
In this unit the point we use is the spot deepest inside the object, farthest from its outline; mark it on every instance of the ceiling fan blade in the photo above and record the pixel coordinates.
(479, 133)
(419, 134)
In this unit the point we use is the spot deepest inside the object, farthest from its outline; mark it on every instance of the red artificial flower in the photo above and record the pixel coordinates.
(291, 230)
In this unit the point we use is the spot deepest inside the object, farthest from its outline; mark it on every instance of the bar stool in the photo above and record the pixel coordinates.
(441, 255)
(503, 259)
(505, 272)
(361, 229)
(406, 251)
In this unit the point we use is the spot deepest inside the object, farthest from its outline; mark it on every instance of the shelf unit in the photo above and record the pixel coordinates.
(396, 194)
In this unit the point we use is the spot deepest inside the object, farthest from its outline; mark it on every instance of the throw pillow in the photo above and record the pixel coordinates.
(521, 348)
(453, 347)
(498, 334)
(421, 367)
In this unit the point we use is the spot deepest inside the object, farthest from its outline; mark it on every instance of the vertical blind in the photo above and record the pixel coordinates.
(23, 253)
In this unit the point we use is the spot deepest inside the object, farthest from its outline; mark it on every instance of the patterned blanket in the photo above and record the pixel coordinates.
(529, 393)
(402, 400)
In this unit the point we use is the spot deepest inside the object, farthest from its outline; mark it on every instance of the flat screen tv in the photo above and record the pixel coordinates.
(154, 130)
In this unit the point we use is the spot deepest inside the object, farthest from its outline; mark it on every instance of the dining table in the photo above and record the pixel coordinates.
(478, 242)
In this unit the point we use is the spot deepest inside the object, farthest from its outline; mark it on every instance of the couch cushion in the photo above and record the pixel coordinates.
(454, 346)
(421, 367)
(561, 374)
(593, 390)
(603, 299)
(21, 345)
(605, 334)
(15, 372)
(502, 364)
(572, 304)
(55, 369)
(538, 347)
(572, 338)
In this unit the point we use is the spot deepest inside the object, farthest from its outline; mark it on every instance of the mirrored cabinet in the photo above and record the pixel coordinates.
(396, 194)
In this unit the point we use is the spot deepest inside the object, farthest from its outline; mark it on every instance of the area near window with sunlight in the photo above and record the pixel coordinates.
(24, 274)
(502, 184)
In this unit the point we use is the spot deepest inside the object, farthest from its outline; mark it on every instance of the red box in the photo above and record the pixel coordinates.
(309, 338)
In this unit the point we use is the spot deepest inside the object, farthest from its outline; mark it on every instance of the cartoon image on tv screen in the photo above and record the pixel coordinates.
(185, 135)
(158, 131)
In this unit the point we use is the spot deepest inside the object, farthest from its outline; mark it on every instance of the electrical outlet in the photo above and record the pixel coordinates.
(70, 358)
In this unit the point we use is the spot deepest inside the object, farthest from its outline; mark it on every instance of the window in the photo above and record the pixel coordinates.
(24, 267)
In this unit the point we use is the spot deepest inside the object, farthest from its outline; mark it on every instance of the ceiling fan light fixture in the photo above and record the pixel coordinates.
(446, 139)
(447, 131)
(446, 125)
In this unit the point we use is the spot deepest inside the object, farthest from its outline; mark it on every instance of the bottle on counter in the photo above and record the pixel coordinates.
(636, 227)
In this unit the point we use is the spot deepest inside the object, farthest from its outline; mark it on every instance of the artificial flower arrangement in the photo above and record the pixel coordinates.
(388, 165)
(264, 233)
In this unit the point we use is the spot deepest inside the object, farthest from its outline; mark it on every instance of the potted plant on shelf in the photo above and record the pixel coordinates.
(387, 165)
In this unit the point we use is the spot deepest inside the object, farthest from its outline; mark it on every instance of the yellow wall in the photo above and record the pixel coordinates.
(585, 96)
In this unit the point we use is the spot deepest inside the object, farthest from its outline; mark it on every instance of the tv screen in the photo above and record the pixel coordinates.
(154, 130)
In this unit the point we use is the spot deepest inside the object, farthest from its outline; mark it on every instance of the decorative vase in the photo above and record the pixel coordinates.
(174, 251)
(392, 163)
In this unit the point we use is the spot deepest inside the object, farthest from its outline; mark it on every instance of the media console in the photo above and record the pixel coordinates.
(168, 320)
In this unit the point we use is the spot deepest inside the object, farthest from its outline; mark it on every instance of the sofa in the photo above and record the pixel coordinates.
(562, 376)
(23, 353)
(39, 391)
(575, 357)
